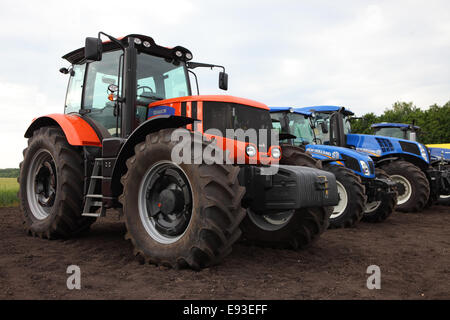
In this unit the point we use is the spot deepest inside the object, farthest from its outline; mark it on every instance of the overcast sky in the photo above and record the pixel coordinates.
(362, 54)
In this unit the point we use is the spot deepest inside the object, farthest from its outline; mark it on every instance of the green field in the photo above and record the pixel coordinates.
(8, 192)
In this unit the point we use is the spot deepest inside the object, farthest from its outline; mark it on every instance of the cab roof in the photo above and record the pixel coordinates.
(393, 125)
(327, 108)
(77, 56)
(291, 109)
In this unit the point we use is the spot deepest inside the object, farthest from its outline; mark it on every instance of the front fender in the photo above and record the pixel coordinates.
(77, 131)
(153, 124)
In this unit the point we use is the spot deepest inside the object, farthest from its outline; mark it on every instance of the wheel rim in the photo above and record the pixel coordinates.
(41, 184)
(271, 222)
(165, 202)
(372, 206)
(343, 201)
(405, 192)
(444, 196)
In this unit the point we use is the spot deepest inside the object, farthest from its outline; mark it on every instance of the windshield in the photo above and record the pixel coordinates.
(392, 132)
(158, 79)
(295, 124)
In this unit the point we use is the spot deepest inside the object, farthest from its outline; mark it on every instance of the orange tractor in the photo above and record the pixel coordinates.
(113, 148)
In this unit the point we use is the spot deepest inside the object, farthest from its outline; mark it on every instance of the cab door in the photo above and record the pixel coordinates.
(95, 101)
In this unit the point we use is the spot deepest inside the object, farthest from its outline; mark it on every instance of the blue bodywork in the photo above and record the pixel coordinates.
(379, 147)
(392, 125)
(342, 155)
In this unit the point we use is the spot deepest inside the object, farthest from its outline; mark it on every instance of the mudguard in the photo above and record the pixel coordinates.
(77, 131)
(153, 124)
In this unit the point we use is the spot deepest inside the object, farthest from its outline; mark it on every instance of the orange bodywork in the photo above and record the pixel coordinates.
(77, 131)
(235, 147)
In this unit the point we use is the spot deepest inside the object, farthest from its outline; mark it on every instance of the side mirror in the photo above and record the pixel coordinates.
(93, 49)
(324, 128)
(223, 81)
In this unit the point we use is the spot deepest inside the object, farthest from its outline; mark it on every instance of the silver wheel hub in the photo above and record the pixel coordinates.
(339, 209)
(271, 222)
(406, 186)
(165, 202)
(41, 184)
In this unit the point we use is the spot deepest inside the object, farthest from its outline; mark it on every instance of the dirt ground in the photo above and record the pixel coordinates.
(412, 250)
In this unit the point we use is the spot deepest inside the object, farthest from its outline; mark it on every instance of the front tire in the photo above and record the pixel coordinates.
(286, 230)
(350, 208)
(51, 186)
(295, 229)
(414, 188)
(179, 215)
(378, 211)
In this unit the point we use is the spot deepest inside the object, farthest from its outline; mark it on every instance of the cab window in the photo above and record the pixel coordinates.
(75, 89)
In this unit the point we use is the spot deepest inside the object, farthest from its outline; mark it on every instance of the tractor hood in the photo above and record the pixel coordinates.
(358, 161)
(215, 98)
(380, 146)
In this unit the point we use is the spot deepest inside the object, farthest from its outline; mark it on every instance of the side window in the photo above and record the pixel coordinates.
(75, 89)
(175, 83)
(100, 74)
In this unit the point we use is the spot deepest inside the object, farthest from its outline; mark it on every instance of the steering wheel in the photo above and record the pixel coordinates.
(144, 89)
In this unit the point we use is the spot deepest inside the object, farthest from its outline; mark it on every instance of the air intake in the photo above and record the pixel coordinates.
(385, 144)
(410, 147)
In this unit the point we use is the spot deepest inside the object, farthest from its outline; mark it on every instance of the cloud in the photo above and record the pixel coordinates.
(361, 54)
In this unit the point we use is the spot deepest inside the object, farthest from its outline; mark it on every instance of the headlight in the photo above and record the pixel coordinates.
(423, 152)
(137, 41)
(250, 151)
(178, 53)
(188, 56)
(365, 168)
(146, 44)
(276, 153)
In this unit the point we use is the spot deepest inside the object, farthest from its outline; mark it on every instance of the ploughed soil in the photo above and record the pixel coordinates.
(412, 251)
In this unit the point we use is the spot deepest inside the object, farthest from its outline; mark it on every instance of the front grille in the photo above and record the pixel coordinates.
(371, 167)
(385, 144)
(410, 147)
(351, 163)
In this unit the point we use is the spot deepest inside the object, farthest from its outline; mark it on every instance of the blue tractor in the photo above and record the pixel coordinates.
(408, 163)
(411, 132)
(439, 153)
(365, 192)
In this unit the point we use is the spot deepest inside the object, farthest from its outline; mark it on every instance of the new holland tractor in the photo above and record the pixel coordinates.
(439, 153)
(406, 162)
(128, 106)
(365, 192)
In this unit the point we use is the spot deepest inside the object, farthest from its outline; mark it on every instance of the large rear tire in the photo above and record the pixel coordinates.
(291, 229)
(51, 186)
(378, 211)
(414, 188)
(180, 215)
(352, 198)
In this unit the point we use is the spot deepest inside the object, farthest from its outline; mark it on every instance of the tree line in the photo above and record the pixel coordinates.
(434, 121)
(9, 173)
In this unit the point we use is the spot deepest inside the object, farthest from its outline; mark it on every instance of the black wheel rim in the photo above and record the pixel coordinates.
(165, 202)
(41, 184)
